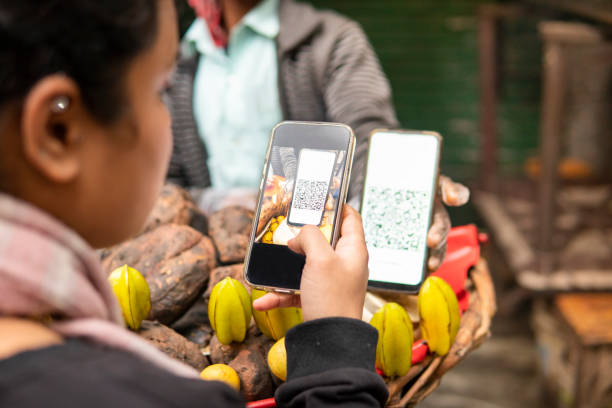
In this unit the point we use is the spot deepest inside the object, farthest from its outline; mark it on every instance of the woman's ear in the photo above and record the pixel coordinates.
(52, 124)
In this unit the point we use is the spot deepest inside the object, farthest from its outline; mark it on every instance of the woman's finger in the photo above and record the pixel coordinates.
(274, 300)
(310, 240)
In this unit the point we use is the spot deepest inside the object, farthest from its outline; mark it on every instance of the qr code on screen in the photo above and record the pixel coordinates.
(310, 195)
(396, 218)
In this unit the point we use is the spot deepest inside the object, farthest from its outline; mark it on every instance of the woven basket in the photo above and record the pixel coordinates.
(424, 378)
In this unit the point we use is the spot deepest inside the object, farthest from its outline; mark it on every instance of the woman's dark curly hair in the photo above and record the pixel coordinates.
(90, 41)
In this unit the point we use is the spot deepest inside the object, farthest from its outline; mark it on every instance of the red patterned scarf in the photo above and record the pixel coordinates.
(46, 269)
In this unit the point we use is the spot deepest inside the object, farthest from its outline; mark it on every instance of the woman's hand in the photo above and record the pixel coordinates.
(452, 194)
(333, 282)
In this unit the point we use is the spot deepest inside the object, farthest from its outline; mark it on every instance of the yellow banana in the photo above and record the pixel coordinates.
(229, 310)
(133, 294)
(275, 323)
(395, 338)
(277, 359)
(439, 314)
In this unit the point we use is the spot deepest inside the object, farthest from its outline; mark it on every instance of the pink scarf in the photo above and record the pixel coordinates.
(210, 11)
(46, 269)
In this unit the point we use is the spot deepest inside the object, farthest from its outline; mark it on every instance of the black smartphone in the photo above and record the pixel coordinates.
(397, 206)
(304, 182)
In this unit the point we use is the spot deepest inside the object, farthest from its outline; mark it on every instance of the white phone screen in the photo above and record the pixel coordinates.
(398, 195)
(311, 187)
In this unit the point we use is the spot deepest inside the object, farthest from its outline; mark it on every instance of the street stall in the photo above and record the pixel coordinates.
(190, 262)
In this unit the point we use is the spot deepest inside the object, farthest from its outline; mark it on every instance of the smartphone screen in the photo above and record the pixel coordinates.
(304, 183)
(397, 206)
(311, 190)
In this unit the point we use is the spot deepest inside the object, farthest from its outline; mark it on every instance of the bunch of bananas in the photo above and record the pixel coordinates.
(269, 234)
(229, 310)
(132, 291)
(395, 338)
(439, 314)
(275, 323)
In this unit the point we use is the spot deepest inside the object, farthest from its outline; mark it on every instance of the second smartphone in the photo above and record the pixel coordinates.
(397, 206)
(305, 181)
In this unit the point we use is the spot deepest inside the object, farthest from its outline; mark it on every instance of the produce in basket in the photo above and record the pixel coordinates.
(395, 338)
(132, 292)
(173, 344)
(230, 229)
(277, 359)
(439, 314)
(229, 310)
(275, 323)
(223, 373)
(176, 261)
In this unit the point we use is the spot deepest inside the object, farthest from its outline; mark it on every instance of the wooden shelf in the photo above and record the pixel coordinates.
(517, 243)
(592, 9)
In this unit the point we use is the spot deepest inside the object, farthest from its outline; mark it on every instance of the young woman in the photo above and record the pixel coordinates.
(84, 148)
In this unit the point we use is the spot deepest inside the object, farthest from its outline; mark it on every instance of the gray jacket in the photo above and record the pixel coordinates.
(327, 71)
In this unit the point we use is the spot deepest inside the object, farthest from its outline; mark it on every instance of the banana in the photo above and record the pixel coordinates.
(229, 310)
(275, 323)
(133, 294)
(395, 338)
(439, 314)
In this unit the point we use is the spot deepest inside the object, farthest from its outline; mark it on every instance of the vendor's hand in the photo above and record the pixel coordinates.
(333, 282)
(453, 194)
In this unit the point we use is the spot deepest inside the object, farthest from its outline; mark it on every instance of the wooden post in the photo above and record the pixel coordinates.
(553, 94)
(487, 46)
(488, 17)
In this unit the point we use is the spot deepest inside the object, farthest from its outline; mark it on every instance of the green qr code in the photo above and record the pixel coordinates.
(396, 218)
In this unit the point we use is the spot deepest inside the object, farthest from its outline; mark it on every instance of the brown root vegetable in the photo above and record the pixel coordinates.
(176, 261)
(194, 324)
(255, 378)
(173, 344)
(218, 274)
(175, 206)
(230, 229)
(223, 353)
(255, 340)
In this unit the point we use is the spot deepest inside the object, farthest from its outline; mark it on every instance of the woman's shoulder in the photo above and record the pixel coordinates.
(78, 373)
(20, 335)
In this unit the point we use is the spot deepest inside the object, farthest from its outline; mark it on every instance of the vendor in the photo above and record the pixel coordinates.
(246, 65)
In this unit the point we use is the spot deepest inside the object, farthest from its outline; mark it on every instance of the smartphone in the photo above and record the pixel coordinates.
(304, 182)
(397, 206)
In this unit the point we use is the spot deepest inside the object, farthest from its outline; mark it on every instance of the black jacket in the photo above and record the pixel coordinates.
(330, 363)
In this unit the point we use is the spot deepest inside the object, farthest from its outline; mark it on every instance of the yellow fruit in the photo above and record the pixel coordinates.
(277, 359)
(395, 338)
(439, 314)
(267, 237)
(275, 323)
(221, 372)
(280, 219)
(273, 226)
(229, 310)
(133, 294)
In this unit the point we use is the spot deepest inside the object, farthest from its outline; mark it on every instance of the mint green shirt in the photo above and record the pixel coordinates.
(235, 99)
